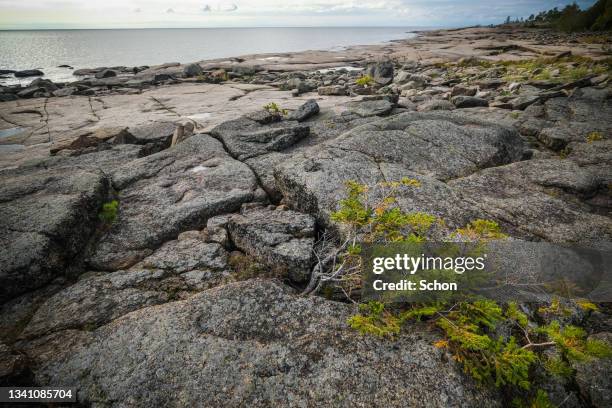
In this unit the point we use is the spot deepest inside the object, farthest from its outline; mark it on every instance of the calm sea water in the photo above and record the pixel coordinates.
(47, 49)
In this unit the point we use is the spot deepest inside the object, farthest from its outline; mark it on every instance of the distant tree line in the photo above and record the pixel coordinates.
(571, 18)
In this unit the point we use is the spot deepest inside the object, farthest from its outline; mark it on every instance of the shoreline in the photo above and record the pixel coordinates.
(250, 76)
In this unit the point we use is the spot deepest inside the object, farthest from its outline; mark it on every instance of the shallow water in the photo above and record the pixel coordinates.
(48, 49)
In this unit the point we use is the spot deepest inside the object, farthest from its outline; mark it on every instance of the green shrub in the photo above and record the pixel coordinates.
(275, 108)
(365, 81)
(594, 137)
(109, 211)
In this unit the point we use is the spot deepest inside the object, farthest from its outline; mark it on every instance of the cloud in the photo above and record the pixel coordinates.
(269, 12)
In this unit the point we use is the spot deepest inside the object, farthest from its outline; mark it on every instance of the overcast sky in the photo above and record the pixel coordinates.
(17, 14)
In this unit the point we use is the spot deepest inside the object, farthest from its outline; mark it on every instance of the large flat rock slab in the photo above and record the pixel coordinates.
(541, 198)
(170, 192)
(431, 146)
(251, 343)
(46, 218)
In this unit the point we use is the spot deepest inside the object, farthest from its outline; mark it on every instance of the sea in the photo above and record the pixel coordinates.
(47, 50)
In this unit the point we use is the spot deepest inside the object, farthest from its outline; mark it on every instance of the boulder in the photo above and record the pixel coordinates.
(333, 90)
(462, 101)
(246, 138)
(381, 72)
(283, 240)
(46, 218)
(159, 133)
(463, 90)
(92, 139)
(169, 192)
(67, 91)
(107, 73)
(371, 108)
(192, 70)
(44, 83)
(31, 92)
(252, 343)
(435, 105)
(305, 111)
(28, 73)
(524, 101)
(245, 70)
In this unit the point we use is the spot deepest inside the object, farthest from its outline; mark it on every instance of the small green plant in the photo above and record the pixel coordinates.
(481, 230)
(365, 81)
(594, 137)
(375, 320)
(108, 213)
(275, 108)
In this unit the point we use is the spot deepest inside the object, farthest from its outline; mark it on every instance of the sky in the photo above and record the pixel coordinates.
(49, 14)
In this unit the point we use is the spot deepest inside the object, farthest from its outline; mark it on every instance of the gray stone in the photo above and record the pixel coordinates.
(245, 70)
(245, 138)
(262, 342)
(283, 240)
(381, 72)
(67, 91)
(438, 145)
(28, 73)
(305, 111)
(156, 132)
(169, 192)
(539, 198)
(192, 70)
(46, 217)
(463, 90)
(461, 101)
(435, 105)
(187, 253)
(31, 92)
(371, 108)
(107, 73)
(333, 90)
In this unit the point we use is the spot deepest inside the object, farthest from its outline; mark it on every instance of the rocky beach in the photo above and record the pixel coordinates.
(162, 226)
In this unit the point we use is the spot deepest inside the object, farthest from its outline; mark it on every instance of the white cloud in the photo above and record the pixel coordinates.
(269, 12)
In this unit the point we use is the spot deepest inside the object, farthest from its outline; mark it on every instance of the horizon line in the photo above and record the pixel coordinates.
(234, 27)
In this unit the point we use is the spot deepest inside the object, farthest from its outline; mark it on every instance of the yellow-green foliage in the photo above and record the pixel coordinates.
(353, 211)
(382, 221)
(374, 320)
(365, 81)
(568, 68)
(558, 367)
(481, 230)
(513, 313)
(273, 107)
(541, 401)
(586, 305)
(572, 342)
(555, 308)
(108, 213)
(594, 137)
